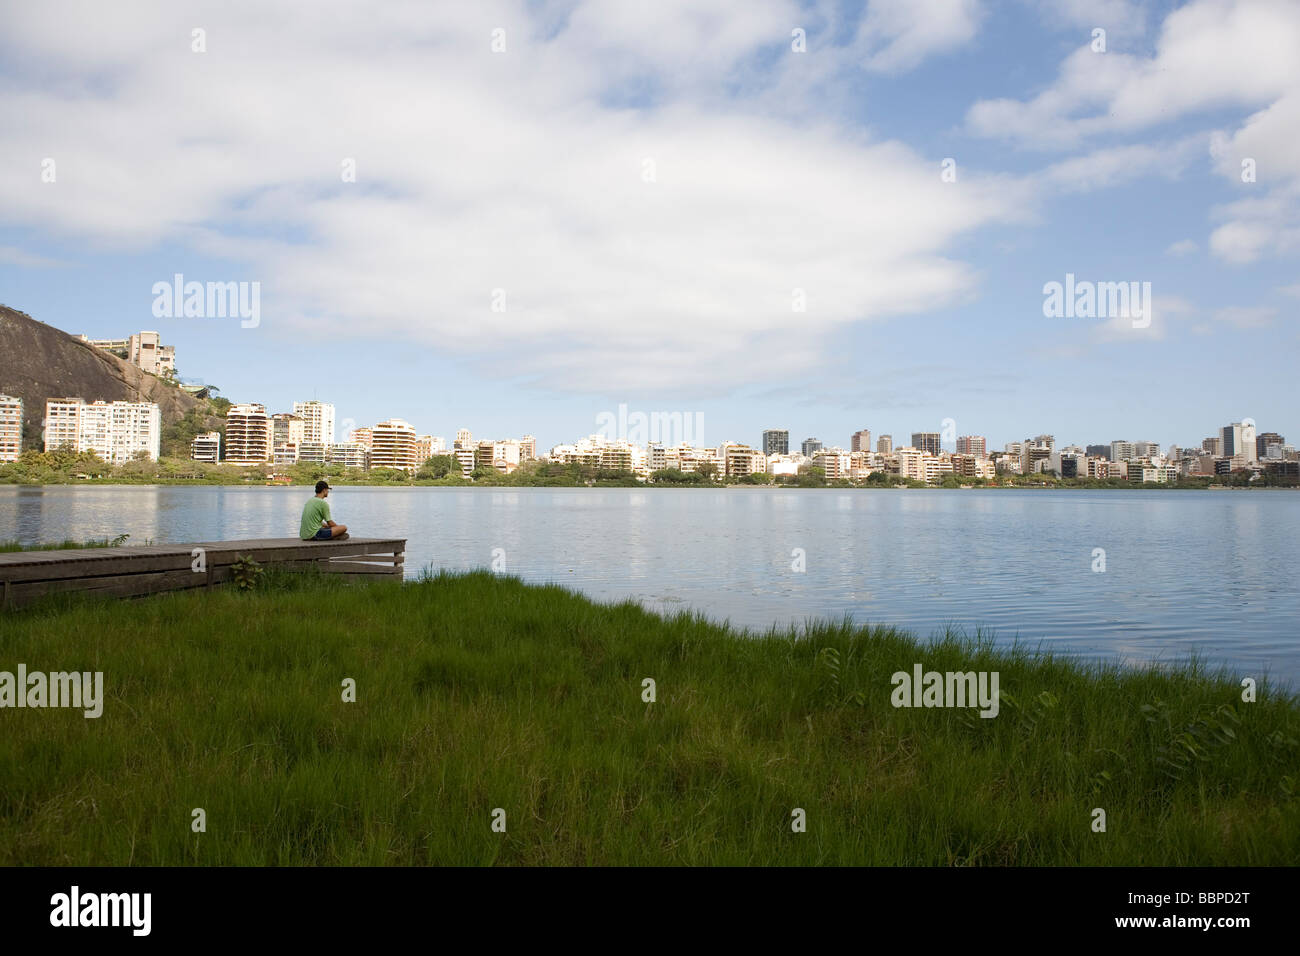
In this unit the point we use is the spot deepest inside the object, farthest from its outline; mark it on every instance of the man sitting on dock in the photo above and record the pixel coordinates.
(316, 523)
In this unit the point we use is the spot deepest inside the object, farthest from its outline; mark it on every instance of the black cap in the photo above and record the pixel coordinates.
(321, 485)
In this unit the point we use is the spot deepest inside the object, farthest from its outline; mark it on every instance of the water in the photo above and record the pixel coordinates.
(1205, 571)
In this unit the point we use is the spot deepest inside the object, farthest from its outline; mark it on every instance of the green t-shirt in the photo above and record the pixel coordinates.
(314, 514)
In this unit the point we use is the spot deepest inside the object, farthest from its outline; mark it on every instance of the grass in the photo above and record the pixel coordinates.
(477, 692)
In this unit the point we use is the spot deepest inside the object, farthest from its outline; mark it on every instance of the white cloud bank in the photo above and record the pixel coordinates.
(523, 171)
(1209, 55)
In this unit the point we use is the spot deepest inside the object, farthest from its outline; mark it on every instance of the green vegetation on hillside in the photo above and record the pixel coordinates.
(478, 692)
(209, 415)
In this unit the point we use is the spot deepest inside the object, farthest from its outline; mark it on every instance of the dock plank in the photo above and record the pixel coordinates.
(145, 569)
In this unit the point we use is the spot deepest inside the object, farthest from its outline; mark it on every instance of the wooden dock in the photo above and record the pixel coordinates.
(149, 569)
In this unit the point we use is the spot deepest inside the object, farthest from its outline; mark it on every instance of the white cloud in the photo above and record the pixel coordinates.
(1117, 165)
(897, 35)
(1210, 55)
(521, 171)
(1183, 247)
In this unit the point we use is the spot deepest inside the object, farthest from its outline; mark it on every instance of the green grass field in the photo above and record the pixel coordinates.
(477, 692)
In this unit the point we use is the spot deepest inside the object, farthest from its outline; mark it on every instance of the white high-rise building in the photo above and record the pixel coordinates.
(350, 454)
(248, 434)
(1239, 439)
(318, 421)
(393, 445)
(115, 431)
(11, 427)
(206, 447)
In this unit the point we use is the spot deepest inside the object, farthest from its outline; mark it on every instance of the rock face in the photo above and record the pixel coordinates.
(39, 362)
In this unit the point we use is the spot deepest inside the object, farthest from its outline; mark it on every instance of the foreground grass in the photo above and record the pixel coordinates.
(476, 692)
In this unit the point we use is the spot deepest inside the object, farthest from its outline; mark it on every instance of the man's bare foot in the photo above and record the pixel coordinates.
(343, 537)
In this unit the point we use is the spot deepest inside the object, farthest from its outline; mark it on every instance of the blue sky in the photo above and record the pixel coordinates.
(649, 187)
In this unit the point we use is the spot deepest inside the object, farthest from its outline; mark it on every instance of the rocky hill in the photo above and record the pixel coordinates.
(39, 362)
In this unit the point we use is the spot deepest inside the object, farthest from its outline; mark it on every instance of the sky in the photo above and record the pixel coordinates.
(822, 216)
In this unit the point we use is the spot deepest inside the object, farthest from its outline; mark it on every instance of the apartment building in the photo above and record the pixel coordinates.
(248, 434)
(507, 454)
(1239, 439)
(206, 447)
(1036, 454)
(810, 447)
(362, 436)
(927, 442)
(144, 350)
(1264, 440)
(965, 465)
(393, 445)
(313, 452)
(885, 444)
(937, 466)
(11, 427)
(972, 445)
(62, 423)
(741, 460)
(285, 453)
(776, 441)
(504, 456)
(911, 463)
(1009, 462)
(115, 431)
(351, 454)
(1122, 451)
(860, 440)
(782, 465)
(287, 429)
(1145, 471)
(423, 448)
(834, 461)
(862, 463)
(318, 421)
(465, 458)
(690, 458)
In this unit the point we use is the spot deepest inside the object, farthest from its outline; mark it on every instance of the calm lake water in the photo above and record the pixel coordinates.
(1207, 571)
